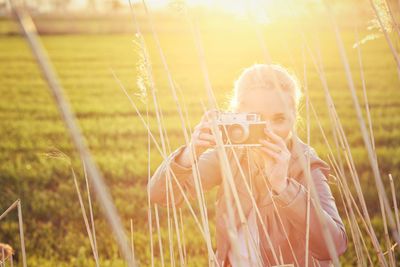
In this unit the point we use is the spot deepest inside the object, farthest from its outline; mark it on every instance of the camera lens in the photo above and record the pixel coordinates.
(237, 133)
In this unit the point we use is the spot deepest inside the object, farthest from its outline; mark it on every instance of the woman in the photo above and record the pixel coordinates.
(271, 181)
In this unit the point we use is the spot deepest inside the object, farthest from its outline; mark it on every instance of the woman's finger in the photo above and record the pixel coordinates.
(203, 126)
(206, 137)
(203, 143)
(270, 145)
(274, 137)
(271, 153)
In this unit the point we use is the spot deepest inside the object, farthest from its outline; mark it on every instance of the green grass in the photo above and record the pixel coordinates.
(30, 125)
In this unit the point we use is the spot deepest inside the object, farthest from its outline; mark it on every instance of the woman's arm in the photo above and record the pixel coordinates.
(292, 203)
(177, 168)
(291, 196)
(170, 169)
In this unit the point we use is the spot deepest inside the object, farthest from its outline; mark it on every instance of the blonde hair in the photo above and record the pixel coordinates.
(268, 77)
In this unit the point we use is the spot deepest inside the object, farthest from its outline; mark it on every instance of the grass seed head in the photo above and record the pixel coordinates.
(55, 153)
(373, 24)
(142, 66)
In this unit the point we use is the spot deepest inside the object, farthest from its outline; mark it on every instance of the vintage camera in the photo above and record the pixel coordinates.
(241, 128)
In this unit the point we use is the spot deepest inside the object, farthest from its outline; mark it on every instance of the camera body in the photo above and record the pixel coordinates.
(240, 128)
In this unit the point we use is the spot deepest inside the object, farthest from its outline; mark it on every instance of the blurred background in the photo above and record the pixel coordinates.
(89, 40)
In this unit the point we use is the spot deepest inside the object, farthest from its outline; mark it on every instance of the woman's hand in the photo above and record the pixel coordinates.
(202, 138)
(200, 141)
(276, 157)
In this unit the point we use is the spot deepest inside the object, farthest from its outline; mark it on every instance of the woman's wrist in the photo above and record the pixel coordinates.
(184, 158)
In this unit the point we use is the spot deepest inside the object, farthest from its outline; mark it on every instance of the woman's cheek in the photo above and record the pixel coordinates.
(282, 130)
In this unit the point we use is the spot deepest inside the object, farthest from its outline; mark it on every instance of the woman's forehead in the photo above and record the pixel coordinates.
(266, 102)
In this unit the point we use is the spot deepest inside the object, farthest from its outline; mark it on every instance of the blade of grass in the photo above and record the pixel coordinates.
(170, 231)
(83, 210)
(396, 210)
(326, 234)
(21, 233)
(132, 243)
(108, 208)
(345, 189)
(372, 157)
(160, 151)
(229, 186)
(364, 88)
(91, 211)
(159, 114)
(355, 230)
(346, 149)
(387, 239)
(160, 246)
(149, 208)
(183, 238)
(10, 208)
(305, 86)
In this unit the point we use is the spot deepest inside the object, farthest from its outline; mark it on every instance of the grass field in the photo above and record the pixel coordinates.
(30, 125)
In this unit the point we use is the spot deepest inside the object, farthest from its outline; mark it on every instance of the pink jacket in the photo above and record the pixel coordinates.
(284, 215)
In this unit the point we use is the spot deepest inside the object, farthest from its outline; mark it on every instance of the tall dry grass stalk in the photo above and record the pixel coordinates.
(155, 142)
(231, 193)
(371, 155)
(346, 198)
(308, 127)
(89, 230)
(181, 116)
(17, 205)
(353, 223)
(90, 211)
(343, 186)
(162, 132)
(365, 97)
(372, 140)
(201, 199)
(198, 184)
(230, 187)
(396, 210)
(132, 242)
(339, 156)
(344, 146)
(314, 194)
(108, 208)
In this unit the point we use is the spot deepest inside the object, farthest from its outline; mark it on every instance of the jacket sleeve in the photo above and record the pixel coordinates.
(208, 169)
(292, 202)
